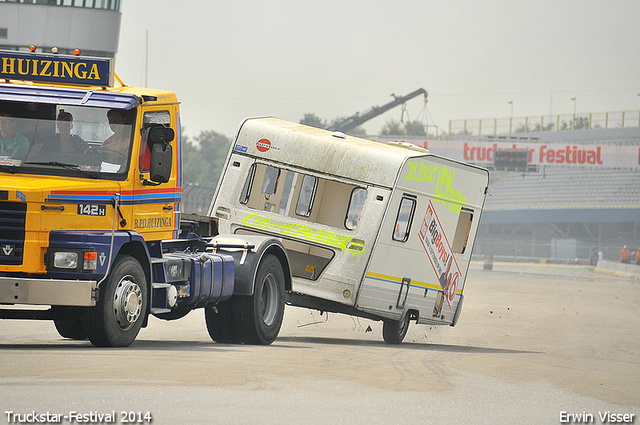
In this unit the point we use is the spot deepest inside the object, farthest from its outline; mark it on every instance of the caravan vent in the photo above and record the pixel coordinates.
(410, 146)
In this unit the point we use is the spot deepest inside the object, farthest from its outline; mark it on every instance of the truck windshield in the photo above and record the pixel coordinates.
(65, 140)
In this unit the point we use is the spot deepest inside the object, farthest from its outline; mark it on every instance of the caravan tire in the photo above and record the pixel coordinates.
(259, 316)
(394, 331)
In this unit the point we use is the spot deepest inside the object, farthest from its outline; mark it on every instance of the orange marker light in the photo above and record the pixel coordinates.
(32, 48)
(90, 260)
(76, 52)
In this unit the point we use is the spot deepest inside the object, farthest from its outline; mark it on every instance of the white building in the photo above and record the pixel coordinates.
(93, 26)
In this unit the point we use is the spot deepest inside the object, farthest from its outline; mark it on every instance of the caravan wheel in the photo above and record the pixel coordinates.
(394, 331)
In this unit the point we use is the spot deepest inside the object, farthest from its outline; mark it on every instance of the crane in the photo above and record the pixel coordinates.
(358, 119)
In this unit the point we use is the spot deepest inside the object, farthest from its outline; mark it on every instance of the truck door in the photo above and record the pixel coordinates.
(156, 211)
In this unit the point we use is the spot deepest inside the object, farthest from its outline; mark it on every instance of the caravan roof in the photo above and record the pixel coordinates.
(322, 151)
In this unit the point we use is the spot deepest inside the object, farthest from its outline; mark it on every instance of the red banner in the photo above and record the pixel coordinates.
(592, 155)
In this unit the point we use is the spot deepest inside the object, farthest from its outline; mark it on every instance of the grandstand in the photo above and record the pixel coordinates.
(563, 212)
(588, 195)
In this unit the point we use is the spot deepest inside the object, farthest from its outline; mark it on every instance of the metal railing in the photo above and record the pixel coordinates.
(196, 199)
(578, 250)
(589, 121)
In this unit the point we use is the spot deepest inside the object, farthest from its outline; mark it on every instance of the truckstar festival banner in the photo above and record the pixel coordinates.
(439, 251)
(589, 155)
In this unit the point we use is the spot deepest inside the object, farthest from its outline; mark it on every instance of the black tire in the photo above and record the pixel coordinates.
(69, 324)
(258, 317)
(220, 323)
(118, 315)
(394, 331)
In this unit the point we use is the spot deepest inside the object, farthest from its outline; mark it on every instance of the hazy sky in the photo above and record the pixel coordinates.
(227, 60)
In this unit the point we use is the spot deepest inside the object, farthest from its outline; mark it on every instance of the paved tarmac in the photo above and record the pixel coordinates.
(534, 344)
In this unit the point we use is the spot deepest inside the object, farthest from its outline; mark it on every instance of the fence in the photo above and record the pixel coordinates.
(558, 250)
(196, 199)
(604, 120)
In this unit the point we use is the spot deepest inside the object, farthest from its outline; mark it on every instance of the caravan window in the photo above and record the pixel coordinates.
(462, 231)
(303, 196)
(287, 191)
(358, 196)
(270, 181)
(305, 199)
(404, 218)
(246, 189)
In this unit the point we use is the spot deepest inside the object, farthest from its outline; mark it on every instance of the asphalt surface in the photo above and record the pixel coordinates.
(534, 344)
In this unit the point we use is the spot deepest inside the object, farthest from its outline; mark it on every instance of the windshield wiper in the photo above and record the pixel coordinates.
(73, 167)
(9, 168)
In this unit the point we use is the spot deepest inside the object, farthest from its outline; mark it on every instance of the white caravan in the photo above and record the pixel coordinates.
(378, 231)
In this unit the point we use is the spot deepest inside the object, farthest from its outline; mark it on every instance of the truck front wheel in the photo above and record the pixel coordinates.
(118, 315)
(259, 316)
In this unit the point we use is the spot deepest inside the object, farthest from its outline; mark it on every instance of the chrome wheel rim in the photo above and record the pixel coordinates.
(127, 302)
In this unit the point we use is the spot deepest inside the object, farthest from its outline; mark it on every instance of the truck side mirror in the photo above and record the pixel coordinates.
(161, 159)
(161, 134)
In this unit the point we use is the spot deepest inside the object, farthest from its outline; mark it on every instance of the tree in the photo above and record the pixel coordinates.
(356, 131)
(548, 127)
(204, 158)
(537, 127)
(580, 123)
(410, 128)
(313, 121)
(414, 128)
(392, 128)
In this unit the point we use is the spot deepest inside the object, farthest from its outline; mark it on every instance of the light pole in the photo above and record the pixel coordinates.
(573, 98)
(511, 119)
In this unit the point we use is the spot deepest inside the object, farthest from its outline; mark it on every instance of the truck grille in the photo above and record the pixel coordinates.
(12, 223)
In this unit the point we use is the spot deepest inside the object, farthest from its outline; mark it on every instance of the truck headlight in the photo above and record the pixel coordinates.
(77, 260)
(65, 260)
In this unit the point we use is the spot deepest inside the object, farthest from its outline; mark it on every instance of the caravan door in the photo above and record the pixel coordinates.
(420, 260)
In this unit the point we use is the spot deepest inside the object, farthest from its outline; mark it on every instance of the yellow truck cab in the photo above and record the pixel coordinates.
(90, 191)
(372, 230)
